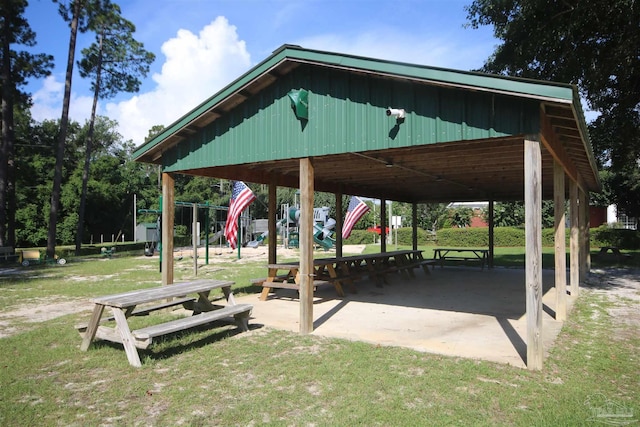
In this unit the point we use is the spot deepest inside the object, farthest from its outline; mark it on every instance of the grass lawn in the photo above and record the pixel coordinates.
(211, 377)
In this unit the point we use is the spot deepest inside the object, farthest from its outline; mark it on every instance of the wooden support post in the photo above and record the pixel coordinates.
(306, 245)
(583, 232)
(271, 226)
(491, 233)
(533, 257)
(414, 222)
(559, 239)
(168, 214)
(339, 220)
(383, 225)
(574, 257)
(195, 238)
(587, 236)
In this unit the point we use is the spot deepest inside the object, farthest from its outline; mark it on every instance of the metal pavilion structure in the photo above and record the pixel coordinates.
(324, 121)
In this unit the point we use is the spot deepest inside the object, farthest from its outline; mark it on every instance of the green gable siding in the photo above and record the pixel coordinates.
(347, 114)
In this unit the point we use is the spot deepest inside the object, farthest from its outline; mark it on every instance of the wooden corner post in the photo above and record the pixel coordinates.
(560, 251)
(306, 245)
(533, 257)
(491, 231)
(168, 214)
(414, 223)
(383, 225)
(583, 234)
(271, 224)
(339, 221)
(574, 256)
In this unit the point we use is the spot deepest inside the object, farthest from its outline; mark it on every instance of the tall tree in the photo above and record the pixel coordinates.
(114, 63)
(592, 43)
(16, 67)
(35, 161)
(79, 14)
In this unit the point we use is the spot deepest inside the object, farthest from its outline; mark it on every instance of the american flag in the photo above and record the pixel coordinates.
(241, 197)
(356, 209)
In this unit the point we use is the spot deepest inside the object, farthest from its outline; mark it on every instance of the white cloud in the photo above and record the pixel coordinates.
(196, 67)
(390, 44)
(47, 102)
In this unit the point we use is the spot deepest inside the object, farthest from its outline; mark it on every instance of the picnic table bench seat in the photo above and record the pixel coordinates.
(267, 286)
(423, 263)
(144, 336)
(261, 280)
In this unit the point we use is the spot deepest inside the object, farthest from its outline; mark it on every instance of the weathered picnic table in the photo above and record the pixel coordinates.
(344, 270)
(461, 254)
(604, 250)
(124, 305)
(7, 253)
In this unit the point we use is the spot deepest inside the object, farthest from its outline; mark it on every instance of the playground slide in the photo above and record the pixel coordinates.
(321, 234)
(326, 242)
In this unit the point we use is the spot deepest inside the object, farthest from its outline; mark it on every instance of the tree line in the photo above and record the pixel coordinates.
(63, 182)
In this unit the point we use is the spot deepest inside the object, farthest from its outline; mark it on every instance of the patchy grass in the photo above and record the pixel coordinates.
(217, 377)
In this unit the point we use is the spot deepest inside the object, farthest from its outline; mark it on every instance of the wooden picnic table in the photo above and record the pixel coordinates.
(341, 271)
(441, 255)
(604, 250)
(124, 305)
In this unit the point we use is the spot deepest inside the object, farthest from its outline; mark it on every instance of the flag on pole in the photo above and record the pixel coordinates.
(241, 197)
(356, 209)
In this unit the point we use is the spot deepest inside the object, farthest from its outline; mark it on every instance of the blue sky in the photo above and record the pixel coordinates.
(202, 45)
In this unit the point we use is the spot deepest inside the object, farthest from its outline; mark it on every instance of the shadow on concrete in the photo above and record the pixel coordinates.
(457, 311)
(495, 292)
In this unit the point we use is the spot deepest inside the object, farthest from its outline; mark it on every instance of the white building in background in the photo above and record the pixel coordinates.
(620, 220)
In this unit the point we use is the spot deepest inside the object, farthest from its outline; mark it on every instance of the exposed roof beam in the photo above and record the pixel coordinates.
(557, 150)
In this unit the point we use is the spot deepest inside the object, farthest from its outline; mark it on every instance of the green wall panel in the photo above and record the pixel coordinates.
(347, 114)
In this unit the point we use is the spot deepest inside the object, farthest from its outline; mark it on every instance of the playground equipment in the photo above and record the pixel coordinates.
(322, 228)
(28, 257)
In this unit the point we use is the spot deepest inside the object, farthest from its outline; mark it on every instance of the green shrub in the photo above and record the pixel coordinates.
(405, 236)
(621, 238)
(464, 237)
(508, 236)
(515, 236)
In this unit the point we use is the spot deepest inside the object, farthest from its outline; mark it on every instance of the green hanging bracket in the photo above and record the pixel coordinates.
(300, 103)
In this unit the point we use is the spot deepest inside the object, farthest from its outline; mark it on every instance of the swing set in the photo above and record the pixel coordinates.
(151, 246)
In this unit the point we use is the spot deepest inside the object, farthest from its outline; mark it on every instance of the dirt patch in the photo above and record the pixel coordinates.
(42, 311)
(622, 288)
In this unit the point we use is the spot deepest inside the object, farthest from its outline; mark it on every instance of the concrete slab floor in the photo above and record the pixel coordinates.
(455, 311)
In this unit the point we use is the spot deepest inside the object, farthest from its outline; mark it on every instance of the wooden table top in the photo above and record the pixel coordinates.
(141, 296)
